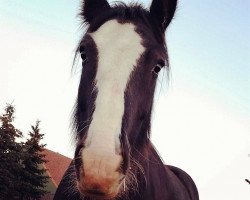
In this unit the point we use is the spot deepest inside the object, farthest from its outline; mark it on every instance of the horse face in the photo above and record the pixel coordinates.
(122, 57)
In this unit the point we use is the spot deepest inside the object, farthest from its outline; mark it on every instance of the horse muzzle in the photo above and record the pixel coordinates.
(100, 175)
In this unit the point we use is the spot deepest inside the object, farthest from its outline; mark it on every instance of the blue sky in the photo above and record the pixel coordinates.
(207, 41)
(211, 38)
(201, 122)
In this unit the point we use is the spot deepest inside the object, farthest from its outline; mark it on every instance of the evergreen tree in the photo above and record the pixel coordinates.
(34, 173)
(10, 155)
(22, 176)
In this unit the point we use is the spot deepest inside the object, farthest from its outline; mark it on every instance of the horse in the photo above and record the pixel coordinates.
(122, 51)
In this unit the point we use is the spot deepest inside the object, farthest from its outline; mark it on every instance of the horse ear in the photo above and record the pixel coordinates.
(93, 8)
(163, 11)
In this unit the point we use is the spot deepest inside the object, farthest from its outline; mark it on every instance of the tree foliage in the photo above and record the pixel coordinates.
(22, 175)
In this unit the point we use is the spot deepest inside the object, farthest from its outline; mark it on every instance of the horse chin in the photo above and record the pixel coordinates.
(99, 196)
(95, 194)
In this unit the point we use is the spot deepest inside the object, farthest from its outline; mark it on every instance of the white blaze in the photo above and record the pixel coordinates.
(119, 47)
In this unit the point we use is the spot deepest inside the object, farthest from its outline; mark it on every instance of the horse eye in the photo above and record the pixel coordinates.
(83, 53)
(158, 67)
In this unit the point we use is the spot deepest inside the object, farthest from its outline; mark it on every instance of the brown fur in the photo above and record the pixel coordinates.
(145, 175)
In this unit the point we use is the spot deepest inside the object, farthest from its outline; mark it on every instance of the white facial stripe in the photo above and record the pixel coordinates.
(119, 48)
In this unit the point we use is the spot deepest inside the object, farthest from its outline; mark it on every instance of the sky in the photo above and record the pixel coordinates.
(201, 120)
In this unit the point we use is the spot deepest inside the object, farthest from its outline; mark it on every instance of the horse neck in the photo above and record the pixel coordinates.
(151, 174)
